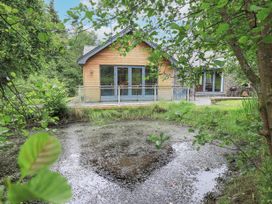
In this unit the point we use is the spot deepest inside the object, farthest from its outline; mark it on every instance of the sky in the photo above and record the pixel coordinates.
(62, 6)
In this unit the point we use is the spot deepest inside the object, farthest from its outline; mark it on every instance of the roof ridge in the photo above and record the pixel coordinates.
(83, 59)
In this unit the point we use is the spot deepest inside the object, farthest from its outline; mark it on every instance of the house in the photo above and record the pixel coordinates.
(211, 82)
(110, 76)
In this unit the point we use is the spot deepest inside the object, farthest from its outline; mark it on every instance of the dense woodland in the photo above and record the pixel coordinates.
(39, 71)
(38, 62)
(33, 39)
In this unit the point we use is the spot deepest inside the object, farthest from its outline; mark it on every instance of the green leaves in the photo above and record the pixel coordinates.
(39, 151)
(268, 39)
(4, 8)
(174, 26)
(18, 193)
(158, 140)
(255, 8)
(3, 130)
(219, 63)
(50, 186)
(221, 3)
(263, 13)
(243, 39)
(46, 186)
(222, 28)
(43, 37)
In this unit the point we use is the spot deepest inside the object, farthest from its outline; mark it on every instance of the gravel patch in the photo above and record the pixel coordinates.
(108, 164)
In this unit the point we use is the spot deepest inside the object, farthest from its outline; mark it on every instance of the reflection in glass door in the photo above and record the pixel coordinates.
(209, 82)
(218, 81)
(129, 80)
(136, 81)
(122, 76)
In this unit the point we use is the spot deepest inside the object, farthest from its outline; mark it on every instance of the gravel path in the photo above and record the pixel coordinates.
(186, 178)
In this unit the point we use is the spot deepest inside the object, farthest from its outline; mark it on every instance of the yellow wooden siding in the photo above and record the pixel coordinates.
(110, 56)
(165, 82)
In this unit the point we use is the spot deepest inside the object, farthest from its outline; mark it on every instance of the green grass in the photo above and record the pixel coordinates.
(229, 104)
(240, 189)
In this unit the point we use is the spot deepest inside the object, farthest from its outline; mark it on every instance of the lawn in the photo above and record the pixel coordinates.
(229, 104)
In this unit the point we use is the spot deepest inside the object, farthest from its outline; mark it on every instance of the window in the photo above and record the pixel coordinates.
(107, 80)
(218, 78)
(137, 79)
(209, 81)
(199, 84)
(151, 79)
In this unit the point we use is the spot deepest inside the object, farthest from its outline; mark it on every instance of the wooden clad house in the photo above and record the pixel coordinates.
(108, 75)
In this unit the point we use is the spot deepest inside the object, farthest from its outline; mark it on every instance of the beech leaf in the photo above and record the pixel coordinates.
(38, 152)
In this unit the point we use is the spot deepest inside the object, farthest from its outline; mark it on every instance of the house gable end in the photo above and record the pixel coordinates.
(83, 59)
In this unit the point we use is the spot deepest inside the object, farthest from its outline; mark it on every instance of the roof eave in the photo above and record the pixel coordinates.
(84, 58)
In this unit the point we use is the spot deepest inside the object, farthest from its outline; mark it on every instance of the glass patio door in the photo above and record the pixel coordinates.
(123, 80)
(130, 81)
(209, 81)
(136, 81)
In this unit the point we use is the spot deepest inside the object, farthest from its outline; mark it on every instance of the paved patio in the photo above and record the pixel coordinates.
(202, 101)
(107, 105)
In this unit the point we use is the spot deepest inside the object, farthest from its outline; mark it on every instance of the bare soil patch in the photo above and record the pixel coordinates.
(123, 154)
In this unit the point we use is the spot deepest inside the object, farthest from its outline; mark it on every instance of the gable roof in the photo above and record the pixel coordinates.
(83, 59)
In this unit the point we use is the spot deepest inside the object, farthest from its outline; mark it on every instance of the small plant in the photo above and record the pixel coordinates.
(37, 182)
(158, 140)
(251, 108)
(159, 109)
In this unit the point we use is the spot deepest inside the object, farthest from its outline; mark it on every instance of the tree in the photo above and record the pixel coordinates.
(29, 39)
(52, 12)
(65, 66)
(207, 31)
(30, 42)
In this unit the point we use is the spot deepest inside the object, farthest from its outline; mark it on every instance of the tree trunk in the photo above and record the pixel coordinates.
(264, 55)
(263, 83)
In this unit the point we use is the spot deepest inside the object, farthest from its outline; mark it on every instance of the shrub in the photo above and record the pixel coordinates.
(49, 93)
(37, 101)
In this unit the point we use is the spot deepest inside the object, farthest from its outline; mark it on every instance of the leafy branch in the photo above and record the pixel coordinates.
(37, 182)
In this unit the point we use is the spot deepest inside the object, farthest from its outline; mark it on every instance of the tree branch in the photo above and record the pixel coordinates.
(239, 53)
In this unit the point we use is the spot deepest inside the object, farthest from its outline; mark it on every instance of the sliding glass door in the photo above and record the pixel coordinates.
(130, 81)
(107, 81)
(122, 80)
(137, 81)
(210, 81)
